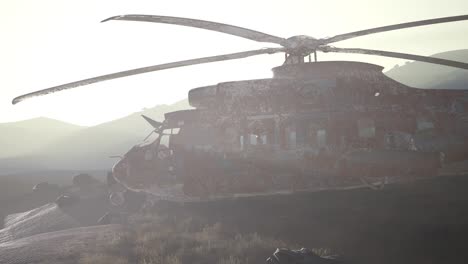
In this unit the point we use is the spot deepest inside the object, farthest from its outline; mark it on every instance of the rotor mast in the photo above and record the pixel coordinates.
(291, 58)
(299, 47)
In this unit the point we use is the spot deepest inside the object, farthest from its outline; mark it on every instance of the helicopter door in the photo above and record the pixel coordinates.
(292, 138)
(289, 137)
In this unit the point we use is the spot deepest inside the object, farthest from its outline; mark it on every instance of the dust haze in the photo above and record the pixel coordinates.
(324, 160)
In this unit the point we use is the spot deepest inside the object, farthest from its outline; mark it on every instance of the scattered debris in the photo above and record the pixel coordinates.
(301, 256)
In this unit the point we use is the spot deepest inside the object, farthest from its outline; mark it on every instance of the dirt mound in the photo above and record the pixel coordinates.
(50, 217)
(58, 247)
(46, 218)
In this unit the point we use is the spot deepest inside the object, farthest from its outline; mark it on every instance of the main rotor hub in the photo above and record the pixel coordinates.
(302, 45)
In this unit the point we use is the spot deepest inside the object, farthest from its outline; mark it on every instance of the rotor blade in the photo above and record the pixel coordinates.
(393, 27)
(224, 28)
(433, 60)
(159, 67)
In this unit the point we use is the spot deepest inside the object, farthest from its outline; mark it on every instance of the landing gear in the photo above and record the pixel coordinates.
(373, 182)
(117, 198)
(378, 184)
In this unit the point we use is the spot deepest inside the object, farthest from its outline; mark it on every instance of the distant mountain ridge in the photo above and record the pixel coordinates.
(23, 137)
(432, 76)
(65, 146)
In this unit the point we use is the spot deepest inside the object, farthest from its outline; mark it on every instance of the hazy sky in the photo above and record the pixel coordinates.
(51, 42)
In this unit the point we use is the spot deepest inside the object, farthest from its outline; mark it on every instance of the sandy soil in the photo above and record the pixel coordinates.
(58, 247)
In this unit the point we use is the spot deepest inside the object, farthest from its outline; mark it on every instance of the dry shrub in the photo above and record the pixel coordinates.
(161, 239)
(102, 258)
(230, 260)
(154, 239)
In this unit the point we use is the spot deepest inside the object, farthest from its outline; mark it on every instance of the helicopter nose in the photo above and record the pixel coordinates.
(119, 171)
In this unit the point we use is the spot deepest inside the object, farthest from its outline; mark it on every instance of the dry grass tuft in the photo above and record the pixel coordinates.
(157, 240)
(102, 259)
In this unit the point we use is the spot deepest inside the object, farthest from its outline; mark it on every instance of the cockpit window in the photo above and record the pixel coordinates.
(172, 131)
(165, 140)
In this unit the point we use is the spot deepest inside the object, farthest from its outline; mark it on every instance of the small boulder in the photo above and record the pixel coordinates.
(83, 179)
(66, 200)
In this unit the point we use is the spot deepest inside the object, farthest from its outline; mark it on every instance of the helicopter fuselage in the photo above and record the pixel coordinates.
(311, 126)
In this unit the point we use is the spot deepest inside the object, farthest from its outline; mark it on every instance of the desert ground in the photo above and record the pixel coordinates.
(420, 222)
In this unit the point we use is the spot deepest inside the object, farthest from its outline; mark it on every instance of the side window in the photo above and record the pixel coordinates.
(253, 139)
(457, 107)
(424, 124)
(165, 140)
(366, 128)
(260, 132)
(321, 138)
(290, 136)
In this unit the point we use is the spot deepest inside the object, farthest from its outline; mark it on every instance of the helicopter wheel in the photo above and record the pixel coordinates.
(379, 185)
(117, 198)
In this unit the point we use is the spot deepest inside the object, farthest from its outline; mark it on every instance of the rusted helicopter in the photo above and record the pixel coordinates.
(314, 125)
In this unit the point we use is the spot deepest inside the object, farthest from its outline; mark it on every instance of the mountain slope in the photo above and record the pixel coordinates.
(23, 137)
(90, 148)
(426, 75)
(135, 124)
